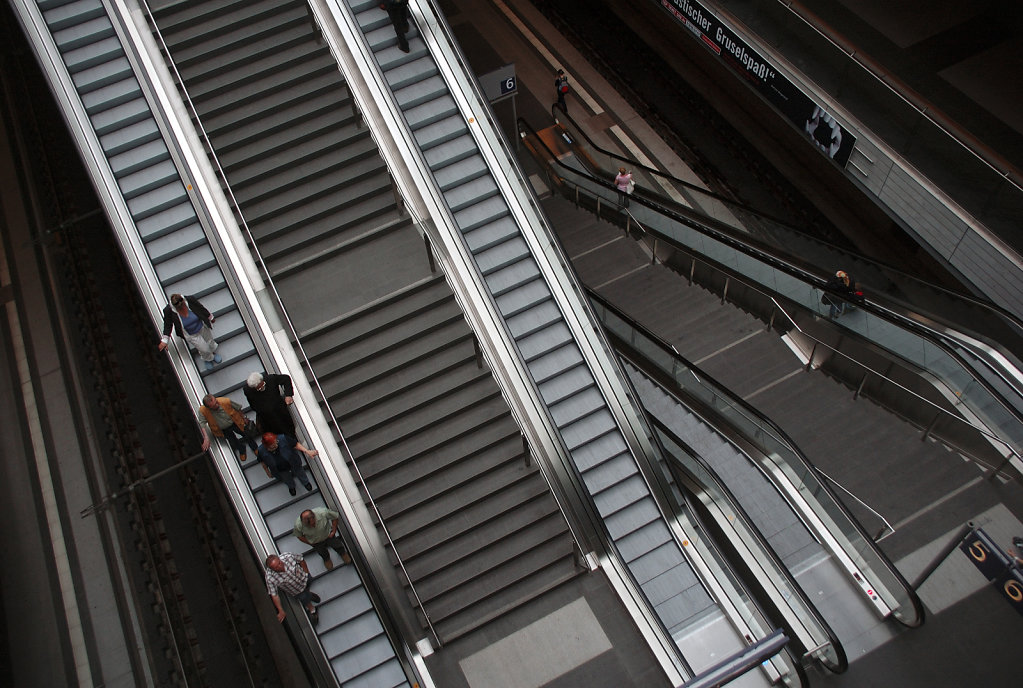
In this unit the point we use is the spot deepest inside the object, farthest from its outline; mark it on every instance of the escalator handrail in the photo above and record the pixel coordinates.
(1014, 320)
(735, 666)
(986, 348)
(765, 546)
(938, 339)
(780, 435)
(366, 578)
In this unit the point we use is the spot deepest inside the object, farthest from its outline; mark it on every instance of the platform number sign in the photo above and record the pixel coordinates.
(997, 566)
(500, 84)
(508, 85)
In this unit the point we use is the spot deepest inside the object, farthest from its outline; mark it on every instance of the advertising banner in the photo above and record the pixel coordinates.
(996, 565)
(818, 125)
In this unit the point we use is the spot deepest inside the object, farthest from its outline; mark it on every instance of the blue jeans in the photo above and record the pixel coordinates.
(305, 598)
(288, 475)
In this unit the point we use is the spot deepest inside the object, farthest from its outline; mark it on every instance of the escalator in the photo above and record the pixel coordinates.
(423, 423)
(746, 471)
(439, 455)
(338, 269)
(163, 234)
(962, 385)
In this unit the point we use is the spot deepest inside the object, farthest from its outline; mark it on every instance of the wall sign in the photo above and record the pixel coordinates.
(997, 566)
(816, 123)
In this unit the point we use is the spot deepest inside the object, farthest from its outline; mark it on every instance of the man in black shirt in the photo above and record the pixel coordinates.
(397, 10)
(269, 395)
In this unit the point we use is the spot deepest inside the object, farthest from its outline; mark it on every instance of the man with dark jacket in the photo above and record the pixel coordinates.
(839, 294)
(269, 395)
(279, 455)
(192, 322)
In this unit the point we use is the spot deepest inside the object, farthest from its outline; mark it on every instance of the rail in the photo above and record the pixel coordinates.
(779, 453)
(1001, 173)
(737, 533)
(773, 275)
(278, 302)
(799, 247)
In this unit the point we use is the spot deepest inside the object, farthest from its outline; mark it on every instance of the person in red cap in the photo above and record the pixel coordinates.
(279, 455)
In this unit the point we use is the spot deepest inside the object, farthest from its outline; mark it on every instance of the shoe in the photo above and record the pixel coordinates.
(308, 487)
(291, 491)
(209, 365)
(315, 598)
(243, 456)
(346, 558)
(314, 616)
(328, 564)
(217, 358)
(404, 49)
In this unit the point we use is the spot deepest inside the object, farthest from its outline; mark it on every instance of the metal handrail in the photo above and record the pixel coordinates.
(988, 350)
(211, 153)
(432, 29)
(923, 108)
(986, 304)
(888, 529)
(675, 464)
(817, 342)
(632, 222)
(761, 420)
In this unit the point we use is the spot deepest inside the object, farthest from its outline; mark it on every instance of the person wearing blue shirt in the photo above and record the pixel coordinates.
(279, 455)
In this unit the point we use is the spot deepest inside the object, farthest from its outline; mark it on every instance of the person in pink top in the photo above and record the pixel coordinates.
(622, 184)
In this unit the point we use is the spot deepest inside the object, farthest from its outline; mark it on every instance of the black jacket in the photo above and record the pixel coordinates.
(272, 412)
(841, 292)
(172, 319)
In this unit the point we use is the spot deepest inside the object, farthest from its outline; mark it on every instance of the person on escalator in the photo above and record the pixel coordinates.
(270, 395)
(319, 528)
(193, 322)
(279, 455)
(397, 10)
(289, 573)
(623, 182)
(839, 294)
(224, 419)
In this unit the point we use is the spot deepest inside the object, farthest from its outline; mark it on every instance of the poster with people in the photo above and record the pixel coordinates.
(818, 125)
